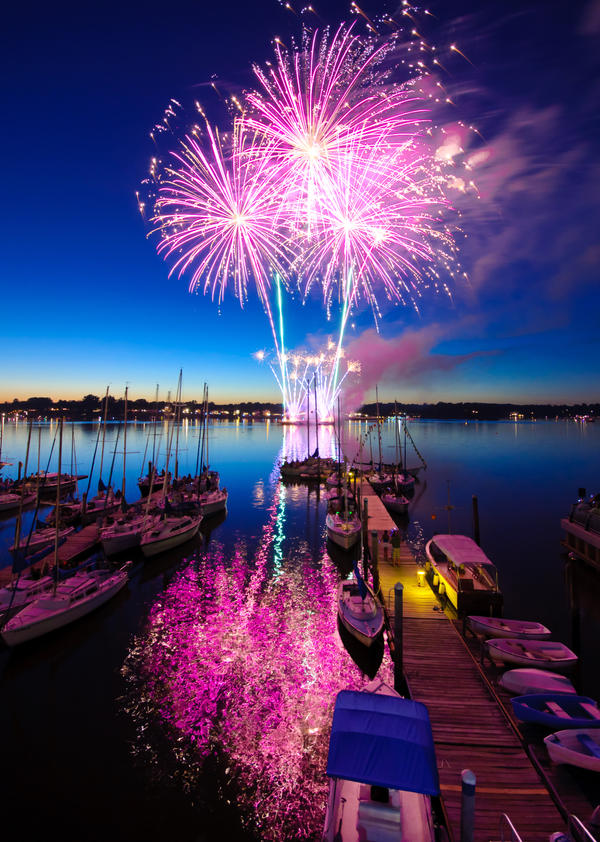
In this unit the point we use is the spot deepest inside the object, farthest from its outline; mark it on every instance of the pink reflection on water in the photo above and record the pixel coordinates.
(247, 664)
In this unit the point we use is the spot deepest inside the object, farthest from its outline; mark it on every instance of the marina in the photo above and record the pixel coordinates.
(441, 668)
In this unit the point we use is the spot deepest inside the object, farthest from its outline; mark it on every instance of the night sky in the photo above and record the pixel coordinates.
(87, 302)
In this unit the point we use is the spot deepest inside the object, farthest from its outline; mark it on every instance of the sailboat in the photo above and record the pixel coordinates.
(394, 498)
(359, 610)
(171, 530)
(342, 521)
(68, 600)
(126, 531)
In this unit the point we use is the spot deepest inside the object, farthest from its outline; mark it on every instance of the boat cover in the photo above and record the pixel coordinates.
(383, 741)
(461, 549)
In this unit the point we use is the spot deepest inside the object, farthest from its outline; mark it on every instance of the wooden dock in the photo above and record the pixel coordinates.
(78, 545)
(470, 727)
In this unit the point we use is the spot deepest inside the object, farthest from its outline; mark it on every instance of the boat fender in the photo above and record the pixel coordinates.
(436, 580)
(442, 589)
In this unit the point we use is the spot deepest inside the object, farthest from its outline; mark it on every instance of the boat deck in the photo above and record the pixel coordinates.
(471, 728)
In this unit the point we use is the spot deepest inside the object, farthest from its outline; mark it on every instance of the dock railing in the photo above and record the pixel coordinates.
(506, 826)
(578, 831)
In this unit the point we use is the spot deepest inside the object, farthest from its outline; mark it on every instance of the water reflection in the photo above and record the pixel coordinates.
(241, 660)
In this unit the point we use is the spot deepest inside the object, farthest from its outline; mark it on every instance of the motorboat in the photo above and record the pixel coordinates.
(575, 746)
(501, 627)
(168, 533)
(360, 612)
(21, 592)
(382, 767)
(557, 710)
(343, 529)
(70, 600)
(463, 572)
(547, 654)
(43, 537)
(126, 533)
(522, 682)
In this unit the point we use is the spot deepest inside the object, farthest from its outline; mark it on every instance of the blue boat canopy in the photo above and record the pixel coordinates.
(382, 741)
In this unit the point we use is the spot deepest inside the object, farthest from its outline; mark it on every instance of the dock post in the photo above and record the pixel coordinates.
(467, 806)
(365, 520)
(19, 474)
(398, 657)
(476, 537)
(375, 561)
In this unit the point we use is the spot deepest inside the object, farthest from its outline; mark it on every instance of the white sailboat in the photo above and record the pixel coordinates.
(359, 611)
(70, 601)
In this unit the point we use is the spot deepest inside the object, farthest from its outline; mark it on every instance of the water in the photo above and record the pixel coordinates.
(107, 733)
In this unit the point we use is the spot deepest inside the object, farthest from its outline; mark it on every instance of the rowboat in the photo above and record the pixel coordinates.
(382, 768)
(557, 710)
(363, 617)
(72, 599)
(521, 682)
(577, 746)
(500, 627)
(549, 654)
(464, 574)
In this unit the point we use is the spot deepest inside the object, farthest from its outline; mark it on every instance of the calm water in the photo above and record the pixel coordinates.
(106, 729)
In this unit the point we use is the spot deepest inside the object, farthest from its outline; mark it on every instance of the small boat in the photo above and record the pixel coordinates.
(359, 610)
(70, 600)
(168, 533)
(557, 710)
(500, 627)
(21, 592)
(212, 502)
(126, 533)
(395, 501)
(577, 747)
(464, 573)
(343, 530)
(42, 537)
(521, 682)
(9, 502)
(382, 767)
(548, 654)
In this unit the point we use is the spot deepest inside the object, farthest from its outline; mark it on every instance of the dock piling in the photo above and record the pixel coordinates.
(467, 806)
(476, 537)
(398, 616)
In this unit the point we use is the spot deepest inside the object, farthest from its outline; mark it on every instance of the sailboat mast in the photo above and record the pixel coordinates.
(178, 423)
(104, 432)
(124, 441)
(378, 426)
(57, 528)
(308, 421)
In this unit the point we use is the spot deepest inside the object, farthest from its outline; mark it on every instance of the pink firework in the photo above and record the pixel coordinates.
(215, 212)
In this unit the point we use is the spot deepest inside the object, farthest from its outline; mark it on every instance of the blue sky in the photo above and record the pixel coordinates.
(86, 301)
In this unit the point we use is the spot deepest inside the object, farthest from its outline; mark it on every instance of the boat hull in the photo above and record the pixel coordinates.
(362, 618)
(499, 627)
(557, 710)
(546, 654)
(522, 682)
(154, 546)
(19, 630)
(568, 747)
(395, 503)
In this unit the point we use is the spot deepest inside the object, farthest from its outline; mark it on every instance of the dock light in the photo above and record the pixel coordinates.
(420, 576)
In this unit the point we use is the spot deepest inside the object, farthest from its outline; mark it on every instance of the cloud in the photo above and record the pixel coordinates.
(399, 360)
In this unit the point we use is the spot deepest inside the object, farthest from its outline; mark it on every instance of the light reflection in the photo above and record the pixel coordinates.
(245, 665)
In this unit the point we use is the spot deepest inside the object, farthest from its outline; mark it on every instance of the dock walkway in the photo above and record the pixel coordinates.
(470, 727)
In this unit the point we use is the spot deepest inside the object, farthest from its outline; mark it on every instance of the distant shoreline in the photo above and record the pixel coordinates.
(90, 408)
